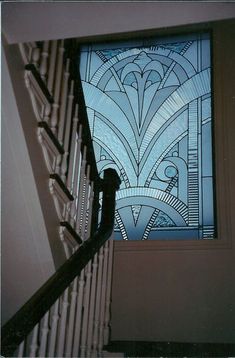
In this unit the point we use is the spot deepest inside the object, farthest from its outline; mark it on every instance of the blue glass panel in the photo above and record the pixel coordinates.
(149, 109)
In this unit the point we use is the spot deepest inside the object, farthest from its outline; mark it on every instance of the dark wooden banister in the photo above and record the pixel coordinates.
(21, 324)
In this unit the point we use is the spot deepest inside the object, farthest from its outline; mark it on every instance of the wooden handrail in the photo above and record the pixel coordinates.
(21, 324)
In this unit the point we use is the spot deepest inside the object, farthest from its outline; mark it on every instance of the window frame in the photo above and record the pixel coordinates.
(222, 199)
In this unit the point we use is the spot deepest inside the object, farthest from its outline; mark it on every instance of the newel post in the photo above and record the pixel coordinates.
(110, 185)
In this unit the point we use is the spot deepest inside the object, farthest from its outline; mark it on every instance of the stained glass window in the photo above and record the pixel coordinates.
(149, 108)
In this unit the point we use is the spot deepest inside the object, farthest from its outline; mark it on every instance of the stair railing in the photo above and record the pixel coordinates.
(69, 315)
(42, 326)
(54, 85)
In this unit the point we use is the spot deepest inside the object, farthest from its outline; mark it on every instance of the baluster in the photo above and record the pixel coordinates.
(35, 55)
(108, 293)
(21, 350)
(62, 324)
(51, 72)
(43, 71)
(47, 112)
(81, 192)
(100, 201)
(85, 202)
(72, 148)
(89, 211)
(97, 304)
(86, 309)
(44, 335)
(69, 337)
(78, 319)
(80, 209)
(53, 330)
(33, 347)
(103, 297)
(63, 102)
(92, 306)
(58, 164)
(67, 133)
(65, 245)
(76, 179)
(55, 105)
(43, 63)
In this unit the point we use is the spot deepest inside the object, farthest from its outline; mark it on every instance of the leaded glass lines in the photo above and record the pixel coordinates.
(149, 110)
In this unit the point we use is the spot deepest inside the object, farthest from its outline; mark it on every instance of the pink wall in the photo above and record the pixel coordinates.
(29, 125)
(176, 291)
(48, 20)
(26, 258)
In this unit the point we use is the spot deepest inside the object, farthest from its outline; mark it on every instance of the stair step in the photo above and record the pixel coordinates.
(31, 68)
(51, 135)
(61, 184)
(106, 354)
(171, 349)
(72, 232)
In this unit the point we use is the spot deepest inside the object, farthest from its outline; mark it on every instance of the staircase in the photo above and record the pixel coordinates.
(69, 315)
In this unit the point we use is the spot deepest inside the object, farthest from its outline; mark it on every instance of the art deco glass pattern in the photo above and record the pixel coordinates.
(149, 109)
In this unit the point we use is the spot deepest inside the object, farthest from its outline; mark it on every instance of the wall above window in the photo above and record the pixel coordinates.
(37, 21)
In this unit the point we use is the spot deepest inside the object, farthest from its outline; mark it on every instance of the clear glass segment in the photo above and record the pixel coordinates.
(149, 109)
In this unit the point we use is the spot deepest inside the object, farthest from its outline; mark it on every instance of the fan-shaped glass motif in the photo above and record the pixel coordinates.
(149, 111)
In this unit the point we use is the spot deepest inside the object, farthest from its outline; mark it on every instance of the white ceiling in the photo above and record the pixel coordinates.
(25, 21)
